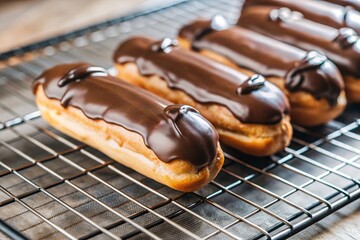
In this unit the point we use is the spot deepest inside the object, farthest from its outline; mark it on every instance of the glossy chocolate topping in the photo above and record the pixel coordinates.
(310, 71)
(351, 3)
(318, 11)
(171, 131)
(254, 83)
(286, 25)
(347, 38)
(206, 81)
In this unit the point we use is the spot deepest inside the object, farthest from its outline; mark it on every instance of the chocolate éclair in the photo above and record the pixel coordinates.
(312, 83)
(342, 46)
(249, 113)
(172, 144)
(318, 11)
(350, 3)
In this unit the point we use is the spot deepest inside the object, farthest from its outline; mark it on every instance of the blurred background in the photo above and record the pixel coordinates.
(26, 21)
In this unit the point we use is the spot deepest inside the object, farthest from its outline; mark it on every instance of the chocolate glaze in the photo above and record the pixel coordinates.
(171, 131)
(351, 3)
(281, 24)
(347, 38)
(311, 71)
(318, 11)
(81, 72)
(206, 81)
(254, 83)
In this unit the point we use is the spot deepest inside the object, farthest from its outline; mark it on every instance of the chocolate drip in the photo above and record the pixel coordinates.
(347, 37)
(77, 74)
(206, 81)
(170, 131)
(269, 57)
(318, 11)
(305, 34)
(295, 78)
(254, 83)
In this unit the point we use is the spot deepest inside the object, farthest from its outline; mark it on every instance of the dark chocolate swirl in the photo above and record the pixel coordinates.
(206, 81)
(307, 35)
(170, 131)
(310, 72)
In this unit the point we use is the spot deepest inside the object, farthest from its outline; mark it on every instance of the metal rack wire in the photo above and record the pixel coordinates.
(52, 186)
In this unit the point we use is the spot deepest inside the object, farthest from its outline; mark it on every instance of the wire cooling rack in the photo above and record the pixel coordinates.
(54, 187)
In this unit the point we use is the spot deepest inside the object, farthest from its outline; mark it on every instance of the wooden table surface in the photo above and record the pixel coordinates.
(26, 21)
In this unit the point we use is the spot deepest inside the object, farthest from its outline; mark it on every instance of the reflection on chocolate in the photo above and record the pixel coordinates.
(218, 23)
(165, 46)
(254, 83)
(347, 17)
(77, 74)
(284, 14)
(171, 131)
(310, 72)
(307, 35)
(206, 81)
(351, 3)
(318, 11)
(296, 77)
(347, 37)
